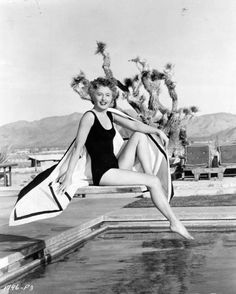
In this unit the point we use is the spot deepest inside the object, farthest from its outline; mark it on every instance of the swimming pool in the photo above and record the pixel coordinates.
(126, 261)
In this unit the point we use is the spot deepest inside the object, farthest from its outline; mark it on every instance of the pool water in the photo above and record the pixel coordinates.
(139, 262)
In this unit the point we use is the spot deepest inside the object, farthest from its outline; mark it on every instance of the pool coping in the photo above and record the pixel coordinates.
(43, 252)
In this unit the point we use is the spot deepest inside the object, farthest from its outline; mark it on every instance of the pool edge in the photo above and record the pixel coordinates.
(17, 265)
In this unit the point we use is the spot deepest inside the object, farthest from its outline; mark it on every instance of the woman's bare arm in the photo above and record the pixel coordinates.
(138, 126)
(85, 125)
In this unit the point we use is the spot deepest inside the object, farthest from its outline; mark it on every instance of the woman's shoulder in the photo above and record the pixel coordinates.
(88, 116)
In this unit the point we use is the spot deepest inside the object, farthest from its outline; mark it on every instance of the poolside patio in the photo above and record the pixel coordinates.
(24, 248)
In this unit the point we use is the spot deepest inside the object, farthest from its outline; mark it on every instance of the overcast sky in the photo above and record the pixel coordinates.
(44, 43)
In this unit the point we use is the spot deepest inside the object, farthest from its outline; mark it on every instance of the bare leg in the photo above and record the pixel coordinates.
(127, 177)
(136, 146)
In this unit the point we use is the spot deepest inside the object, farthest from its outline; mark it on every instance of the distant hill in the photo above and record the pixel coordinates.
(59, 131)
(212, 126)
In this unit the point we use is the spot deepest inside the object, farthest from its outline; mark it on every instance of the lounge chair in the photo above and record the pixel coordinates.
(228, 158)
(198, 161)
(5, 172)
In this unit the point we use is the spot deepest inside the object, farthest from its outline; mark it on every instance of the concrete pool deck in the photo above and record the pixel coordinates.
(25, 247)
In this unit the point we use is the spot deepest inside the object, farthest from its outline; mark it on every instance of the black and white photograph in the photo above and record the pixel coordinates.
(117, 146)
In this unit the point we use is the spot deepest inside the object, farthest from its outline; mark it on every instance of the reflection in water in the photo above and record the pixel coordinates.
(168, 269)
(144, 263)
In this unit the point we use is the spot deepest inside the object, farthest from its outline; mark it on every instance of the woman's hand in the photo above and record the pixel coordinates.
(64, 182)
(164, 138)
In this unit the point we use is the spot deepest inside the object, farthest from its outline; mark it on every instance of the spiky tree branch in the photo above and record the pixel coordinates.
(80, 85)
(101, 49)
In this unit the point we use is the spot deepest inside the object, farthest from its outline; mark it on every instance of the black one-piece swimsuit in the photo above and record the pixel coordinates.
(99, 145)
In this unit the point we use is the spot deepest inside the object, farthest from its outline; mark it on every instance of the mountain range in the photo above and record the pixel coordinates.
(59, 131)
(216, 126)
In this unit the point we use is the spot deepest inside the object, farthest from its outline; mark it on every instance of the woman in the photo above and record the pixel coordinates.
(96, 132)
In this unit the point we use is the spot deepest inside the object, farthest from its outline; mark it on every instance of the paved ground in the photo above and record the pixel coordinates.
(205, 187)
(83, 210)
(78, 212)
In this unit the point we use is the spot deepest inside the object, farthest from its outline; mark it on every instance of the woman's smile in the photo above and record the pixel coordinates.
(103, 102)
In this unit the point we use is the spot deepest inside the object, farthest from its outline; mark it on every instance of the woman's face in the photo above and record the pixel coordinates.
(102, 98)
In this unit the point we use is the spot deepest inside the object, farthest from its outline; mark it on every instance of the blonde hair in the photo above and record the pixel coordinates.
(102, 82)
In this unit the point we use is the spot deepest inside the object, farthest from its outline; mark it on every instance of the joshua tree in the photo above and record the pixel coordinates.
(142, 92)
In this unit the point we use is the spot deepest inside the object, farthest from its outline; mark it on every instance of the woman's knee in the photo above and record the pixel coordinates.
(139, 136)
(153, 182)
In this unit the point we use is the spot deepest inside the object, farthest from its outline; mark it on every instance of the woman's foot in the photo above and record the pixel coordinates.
(180, 229)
